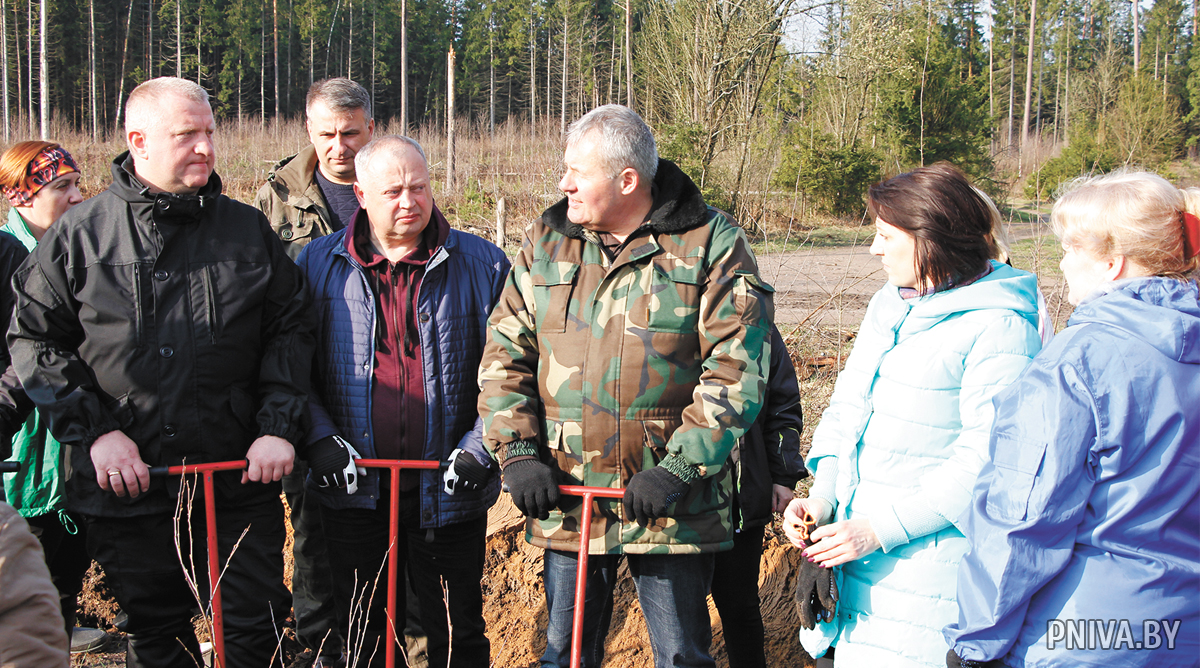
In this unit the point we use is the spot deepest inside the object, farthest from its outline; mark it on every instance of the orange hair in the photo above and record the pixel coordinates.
(14, 164)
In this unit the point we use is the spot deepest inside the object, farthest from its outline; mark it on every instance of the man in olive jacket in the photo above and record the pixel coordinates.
(162, 322)
(628, 350)
(311, 194)
(307, 196)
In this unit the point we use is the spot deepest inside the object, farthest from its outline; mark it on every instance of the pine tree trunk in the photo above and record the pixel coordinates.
(20, 100)
(4, 64)
(43, 76)
(563, 108)
(275, 56)
(450, 120)
(374, 58)
(1028, 77)
(532, 73)
(404, 67)
(629, 53)
(95, 94)
(992, 84)
(491, 82)
(121, 81)
(1012, 80)
(178, 38)
(150, 38)
(29, 59)
(1136, 40)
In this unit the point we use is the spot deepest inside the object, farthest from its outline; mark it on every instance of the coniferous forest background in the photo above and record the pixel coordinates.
(811, 97)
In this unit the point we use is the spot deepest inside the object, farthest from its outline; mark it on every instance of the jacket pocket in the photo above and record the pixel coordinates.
(672, 300)
(243, 408)
(1015, 470)
(121, 409)
(754, 299)
(553, 283)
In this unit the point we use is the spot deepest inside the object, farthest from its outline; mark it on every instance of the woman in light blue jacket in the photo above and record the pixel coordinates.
(896, 454)
(1085, 530)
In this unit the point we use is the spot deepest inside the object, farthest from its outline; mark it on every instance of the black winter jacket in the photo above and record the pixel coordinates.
(769, 453)
(180, 321)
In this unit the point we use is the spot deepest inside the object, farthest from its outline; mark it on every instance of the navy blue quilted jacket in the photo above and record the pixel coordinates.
(461, 284)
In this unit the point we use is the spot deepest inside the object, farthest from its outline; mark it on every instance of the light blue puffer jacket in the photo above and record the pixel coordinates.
(1085, 530)
(902, 443)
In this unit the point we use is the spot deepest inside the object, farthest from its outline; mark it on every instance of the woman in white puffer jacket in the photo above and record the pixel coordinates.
(896, 454)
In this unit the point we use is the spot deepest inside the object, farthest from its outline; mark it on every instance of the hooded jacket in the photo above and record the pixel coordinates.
(1085, 530)
(461, 284)
(606, 366)
(38, 488)
(292, 201)
(178, 320)
(901, 444)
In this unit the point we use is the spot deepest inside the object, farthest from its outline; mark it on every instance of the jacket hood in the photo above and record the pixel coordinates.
(171, 207)
(294, 174)
(1163, 312)
(678, 205)
(1003, 288)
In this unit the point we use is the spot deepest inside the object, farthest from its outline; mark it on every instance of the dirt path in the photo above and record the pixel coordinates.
(831, 286)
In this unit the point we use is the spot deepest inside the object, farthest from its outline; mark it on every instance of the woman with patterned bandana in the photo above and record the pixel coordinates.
(40, 180)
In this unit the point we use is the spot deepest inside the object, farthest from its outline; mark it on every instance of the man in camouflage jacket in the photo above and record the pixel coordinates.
(628, 350)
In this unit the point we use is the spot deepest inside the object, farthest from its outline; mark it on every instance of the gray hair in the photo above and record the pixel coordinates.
(391, 145)
(141, 109)
(625, 140)
(340, 95)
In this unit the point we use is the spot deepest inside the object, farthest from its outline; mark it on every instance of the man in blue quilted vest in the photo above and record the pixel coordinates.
(402, 303)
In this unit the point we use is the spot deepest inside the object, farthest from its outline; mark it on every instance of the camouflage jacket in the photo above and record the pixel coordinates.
(603, 366)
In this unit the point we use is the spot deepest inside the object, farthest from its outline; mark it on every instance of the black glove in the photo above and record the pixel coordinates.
(816, 594)
(329, 461)
(532, 486)
(952, 661)
(650, 493)
(465, 473)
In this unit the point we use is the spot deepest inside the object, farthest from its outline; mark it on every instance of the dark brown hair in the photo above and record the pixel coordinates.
(949, 218)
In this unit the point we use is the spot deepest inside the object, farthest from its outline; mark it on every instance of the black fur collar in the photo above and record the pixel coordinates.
(678, 205)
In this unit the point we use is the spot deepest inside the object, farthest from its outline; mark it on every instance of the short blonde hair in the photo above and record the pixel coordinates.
(1135, 214)
(142, 108)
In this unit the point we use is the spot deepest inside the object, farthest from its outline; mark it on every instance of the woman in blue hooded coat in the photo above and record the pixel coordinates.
(896, 454)
(1085, 530)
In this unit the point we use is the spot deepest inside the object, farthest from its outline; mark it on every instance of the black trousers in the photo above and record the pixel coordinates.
(66, 557)
(312, 584)
(735, 592)
(142, 567)
(449, 557)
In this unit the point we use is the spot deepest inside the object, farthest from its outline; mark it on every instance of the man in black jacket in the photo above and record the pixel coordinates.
(157, 323)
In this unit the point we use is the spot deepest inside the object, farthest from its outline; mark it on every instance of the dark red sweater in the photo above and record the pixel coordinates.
(398, 385)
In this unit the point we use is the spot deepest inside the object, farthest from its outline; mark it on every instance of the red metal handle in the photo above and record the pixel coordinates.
(585, 534)
(210, 520)
(393, 538)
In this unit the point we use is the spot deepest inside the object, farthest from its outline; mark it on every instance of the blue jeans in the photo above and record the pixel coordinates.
(672, 590)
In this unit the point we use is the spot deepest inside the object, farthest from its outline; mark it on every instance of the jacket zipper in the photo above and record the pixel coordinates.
(210, 301)
(138, 323)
